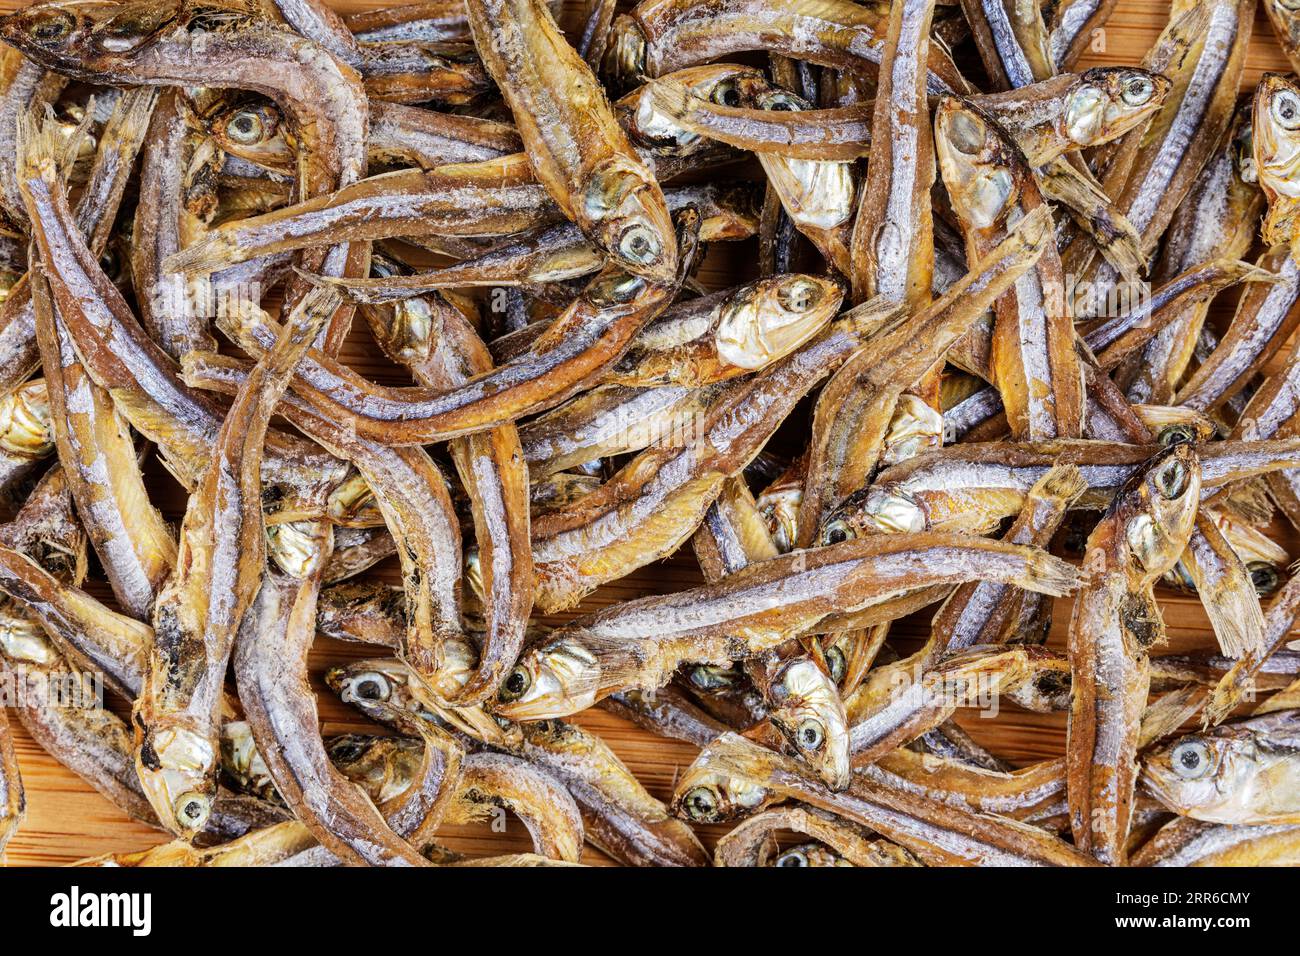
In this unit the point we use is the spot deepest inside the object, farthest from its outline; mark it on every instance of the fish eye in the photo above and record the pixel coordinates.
(1285, 107)
(966, 132)
(837, 532)
(836, 663)
(1171, 480)
(516, 684)
(1181, 434)
(192, 810)
(615, 289)
(1191, 759)
(246, 128)
(1264, 576)
(368, 686)
(710, 677)
(1137, 91)
(53, 27)
(798, 295)
(810, 735)
(795, 857)
(726, 93)
(346, 750)
(781, 102)
(638, 243)
(701, 804)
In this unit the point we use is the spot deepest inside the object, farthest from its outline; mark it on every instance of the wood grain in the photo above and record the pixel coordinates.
(67, 820)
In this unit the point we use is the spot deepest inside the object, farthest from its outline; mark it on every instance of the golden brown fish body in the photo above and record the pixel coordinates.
(734, 777)
(1244, 772)
(1012, 40)
(1285, 18)
(892, 248)
(220, 563)
(639, 643)
(839, 843)
(1151, 170)
(984, 612)
(578, 346)
(797, 684)
(607, 421)
(1219, 217)
(900, 702)
(837, 135)
(659, 36)
(1074, 111)
(972, 487)
(136, 548)
(168, 175)
(656, 501)
(1187, 842)
(444, 351)
(1075, 26)
(1116, 621)
(1034, 362)
(574, 143)
(858, 410)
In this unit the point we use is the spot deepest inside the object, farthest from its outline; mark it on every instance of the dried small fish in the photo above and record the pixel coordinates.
(659, 36)
(1238, 773)
(752, 843)
(574, 143)
(1116, 621)
(636, 644)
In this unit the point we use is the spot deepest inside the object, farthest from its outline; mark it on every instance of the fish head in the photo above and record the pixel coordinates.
(724, 84)
(1285, 17)
(26, 429)
(551, 679)
(625, 52)
(768, 319)
(298, 548)
(23, 640)
(76, 37)
(385, 767)
(379, 688)
(809, 854)
(981, 169)
(779, 507)
(1276, 136)
(707, 795)
(1202, 774)
(880, 509)
(1243, 142)
(1265, 576)
(1156, 510)
(177, 762)
(807, 709)
(253, 129)
(623, 210)
(1110, 101)
(915, 427)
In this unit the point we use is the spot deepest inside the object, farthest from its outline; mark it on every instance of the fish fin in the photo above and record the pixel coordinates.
(1061, 483)
(1047, 574)
(1170, 712)
(1247, 500)
(1115, 237)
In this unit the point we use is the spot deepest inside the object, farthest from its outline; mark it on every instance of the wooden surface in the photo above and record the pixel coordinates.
(67, 820)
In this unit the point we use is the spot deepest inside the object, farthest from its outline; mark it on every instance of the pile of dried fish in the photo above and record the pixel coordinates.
(973, 367)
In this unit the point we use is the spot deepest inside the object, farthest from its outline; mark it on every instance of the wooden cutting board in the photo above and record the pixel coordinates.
(67, 820)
